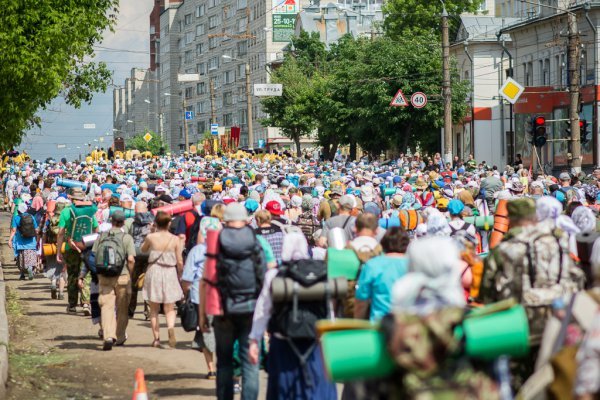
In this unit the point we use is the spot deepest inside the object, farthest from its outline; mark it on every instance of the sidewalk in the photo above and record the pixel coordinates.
(91, 372)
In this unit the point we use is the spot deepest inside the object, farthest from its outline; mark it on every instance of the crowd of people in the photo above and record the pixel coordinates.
(217, 235)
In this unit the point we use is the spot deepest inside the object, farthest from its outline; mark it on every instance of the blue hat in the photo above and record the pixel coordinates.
(372, 208)
(397, 179)
(185, 194)
(455, 207)
(251, 205)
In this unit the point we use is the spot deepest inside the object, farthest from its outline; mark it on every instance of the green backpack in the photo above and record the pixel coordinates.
(110, 255)
(82, 221)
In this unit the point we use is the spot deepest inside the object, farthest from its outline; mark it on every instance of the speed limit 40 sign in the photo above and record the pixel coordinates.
(418, 100)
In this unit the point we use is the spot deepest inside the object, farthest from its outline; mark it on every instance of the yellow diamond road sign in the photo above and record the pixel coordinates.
(147, 137)
(511, 90)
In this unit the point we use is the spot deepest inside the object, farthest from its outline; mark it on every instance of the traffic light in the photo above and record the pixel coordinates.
(583, 131)
(538, 124)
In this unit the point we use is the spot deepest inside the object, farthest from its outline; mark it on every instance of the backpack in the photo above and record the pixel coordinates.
(409, 219)
(175, 224)
(141, 227)
(296, 318)
(333, 207)
(27, 226)
(82, 221)
(363, 256)
(53, 220)
(454, 230)
(110, 254)
(193, 226)
(241, 268)
(308, 224)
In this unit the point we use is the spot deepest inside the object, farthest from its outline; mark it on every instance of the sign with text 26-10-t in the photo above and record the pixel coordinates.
(283, 27)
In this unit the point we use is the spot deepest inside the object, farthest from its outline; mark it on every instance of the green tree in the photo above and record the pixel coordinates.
(45, 47)
(293, 111)
(154, 145)
(420, 16)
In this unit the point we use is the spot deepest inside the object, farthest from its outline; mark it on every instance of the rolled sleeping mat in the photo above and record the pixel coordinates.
(500, 223)
(585, 244)
(176, 208)
(283, 290)
(49, 249)
(356, 355)
(129, 212)
(69, 183)
(336, 238)
(110, 186)
(55, 171)
(391, 222)
(213, 297)
(389, 192)
(482, 223)
(88, 240)
(502, 333)
(342, 263)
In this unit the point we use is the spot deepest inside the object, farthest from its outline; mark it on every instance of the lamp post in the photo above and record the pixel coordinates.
(248, 100)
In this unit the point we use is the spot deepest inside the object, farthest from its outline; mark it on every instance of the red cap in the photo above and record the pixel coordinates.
(274, 207)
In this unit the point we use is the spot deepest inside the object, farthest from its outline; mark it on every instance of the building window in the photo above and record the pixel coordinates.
(188, 57)
(241, 24)
(213, 42)
(213, 3)
(213, 21)
(228, 12)
(546, 72)
(243, 117)
(200, 88)
(227, 119)
(189, 37)
(241, 4)
(199, 49)
(200, 30)
(227, 98)
(242, 48)
(187, 19)
(241, 71)
(201, 127)
(201, 68)
(200, 10)
(189, 92)
(213, 63)
(229, 76)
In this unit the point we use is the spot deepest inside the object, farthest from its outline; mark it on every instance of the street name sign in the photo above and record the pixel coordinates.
(268, 89)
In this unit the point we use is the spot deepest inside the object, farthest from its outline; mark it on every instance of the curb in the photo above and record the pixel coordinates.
(3, 337)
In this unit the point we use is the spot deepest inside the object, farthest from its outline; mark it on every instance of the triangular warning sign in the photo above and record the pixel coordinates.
(290, 2)
(399, 100)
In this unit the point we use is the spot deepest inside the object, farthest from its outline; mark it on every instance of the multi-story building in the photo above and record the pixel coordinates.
(218, 39)
(541, 64)
(135, 105)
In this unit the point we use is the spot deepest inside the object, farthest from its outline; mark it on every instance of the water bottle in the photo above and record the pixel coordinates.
(502, 370)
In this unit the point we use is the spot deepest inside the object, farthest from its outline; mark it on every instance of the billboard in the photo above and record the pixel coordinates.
(283, 27)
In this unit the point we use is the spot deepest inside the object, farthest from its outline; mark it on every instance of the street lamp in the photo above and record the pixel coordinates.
(249, 100)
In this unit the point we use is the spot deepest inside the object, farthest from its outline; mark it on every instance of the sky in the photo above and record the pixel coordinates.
(63, 124)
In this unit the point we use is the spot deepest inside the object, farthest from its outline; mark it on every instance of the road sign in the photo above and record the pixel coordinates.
(418, 100)
(268, 89)
(511, 90)
(89, 126)
(147, 137)
(189, 115)
(214, 129)
(399, 100)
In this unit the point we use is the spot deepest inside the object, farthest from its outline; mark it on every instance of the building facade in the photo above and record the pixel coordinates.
(135, 105)
(217, 39)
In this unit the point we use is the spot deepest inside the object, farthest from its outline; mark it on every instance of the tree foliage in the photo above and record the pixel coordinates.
(345, 93)
(154, 145)
(418, 16)
(46, 46)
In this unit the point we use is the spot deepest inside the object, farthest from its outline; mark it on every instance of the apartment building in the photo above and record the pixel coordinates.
(135, 105)
(216, 39)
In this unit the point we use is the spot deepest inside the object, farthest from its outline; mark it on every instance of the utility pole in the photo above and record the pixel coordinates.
(185, 127)
(213, 112)
(573, 48)
(249, 113)
(446, 89)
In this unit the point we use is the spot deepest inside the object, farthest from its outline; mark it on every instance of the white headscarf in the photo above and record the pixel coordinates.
(584, 219)
(295, 247)
(548, 208)
(434, 279)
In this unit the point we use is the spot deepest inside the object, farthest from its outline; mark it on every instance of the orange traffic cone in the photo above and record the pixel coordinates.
(139, 388)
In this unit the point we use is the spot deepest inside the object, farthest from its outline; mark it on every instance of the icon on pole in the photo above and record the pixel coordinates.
(399, 100)
(511, 90)
(147, 137)
(214, 129)
(189, 115)
(418, 100)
